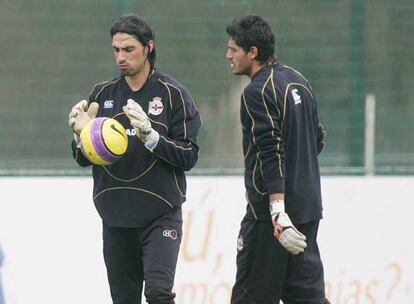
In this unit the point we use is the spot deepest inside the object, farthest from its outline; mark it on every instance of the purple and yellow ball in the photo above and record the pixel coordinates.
(103, 141)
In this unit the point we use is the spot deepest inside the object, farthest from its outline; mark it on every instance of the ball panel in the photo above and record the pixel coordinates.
(98, 141)
(103, 140)
(87, 146)
(114, 136)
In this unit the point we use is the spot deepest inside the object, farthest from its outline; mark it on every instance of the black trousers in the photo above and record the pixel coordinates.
(137, 255)
(268, 273)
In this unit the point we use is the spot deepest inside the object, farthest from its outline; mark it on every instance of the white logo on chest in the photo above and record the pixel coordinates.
(131, 132)
(155, 106)
(108, 104)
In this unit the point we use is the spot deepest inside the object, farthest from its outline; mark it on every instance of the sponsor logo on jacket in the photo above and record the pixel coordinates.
(170, 233)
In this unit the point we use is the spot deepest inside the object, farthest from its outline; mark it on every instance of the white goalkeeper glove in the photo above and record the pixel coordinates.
(80, 115)
(284, 231)
(141, 123)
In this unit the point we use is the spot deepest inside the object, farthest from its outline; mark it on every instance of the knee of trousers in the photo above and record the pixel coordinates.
(159, 296)
(123, 294)
(159, 283)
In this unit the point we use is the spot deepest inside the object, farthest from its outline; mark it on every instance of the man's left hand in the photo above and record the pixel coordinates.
(284, 230)
(141, 123)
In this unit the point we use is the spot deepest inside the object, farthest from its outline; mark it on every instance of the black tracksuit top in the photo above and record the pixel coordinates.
(144, 185)
(282, 138)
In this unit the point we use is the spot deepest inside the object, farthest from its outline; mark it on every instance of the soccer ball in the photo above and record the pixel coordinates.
(103, 141)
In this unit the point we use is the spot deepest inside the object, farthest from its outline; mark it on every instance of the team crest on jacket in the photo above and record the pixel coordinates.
(155, 106)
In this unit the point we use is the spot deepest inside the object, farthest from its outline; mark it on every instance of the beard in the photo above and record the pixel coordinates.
(128, 72)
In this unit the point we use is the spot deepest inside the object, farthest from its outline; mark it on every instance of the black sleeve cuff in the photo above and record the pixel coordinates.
(276, 186)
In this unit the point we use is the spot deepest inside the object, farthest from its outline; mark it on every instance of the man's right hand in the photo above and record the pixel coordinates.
(284, 231)
(80, 115)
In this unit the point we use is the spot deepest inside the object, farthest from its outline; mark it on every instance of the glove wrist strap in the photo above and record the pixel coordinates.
(152, 139)
(277, 206)
(76, 138)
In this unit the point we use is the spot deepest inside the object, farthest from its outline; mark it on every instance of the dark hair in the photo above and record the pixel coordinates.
(133, 25)
(253, 30)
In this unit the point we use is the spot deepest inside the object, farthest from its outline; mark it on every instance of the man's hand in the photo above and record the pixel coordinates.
(80, 115)
(141, 123)
(284, 231)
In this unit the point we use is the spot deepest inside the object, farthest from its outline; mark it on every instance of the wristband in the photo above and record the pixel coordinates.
(277, 206)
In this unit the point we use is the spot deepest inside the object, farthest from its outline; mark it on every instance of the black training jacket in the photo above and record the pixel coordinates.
(144, 185)
(282, 138)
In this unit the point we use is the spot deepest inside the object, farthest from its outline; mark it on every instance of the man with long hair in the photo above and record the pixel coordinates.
(139, 197)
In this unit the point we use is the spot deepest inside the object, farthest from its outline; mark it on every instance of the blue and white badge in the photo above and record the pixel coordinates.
(155, 106)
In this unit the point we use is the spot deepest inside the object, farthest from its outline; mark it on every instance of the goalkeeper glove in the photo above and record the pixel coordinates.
(141, 123)
(81, 114)
(321, 135)
(284, 231)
